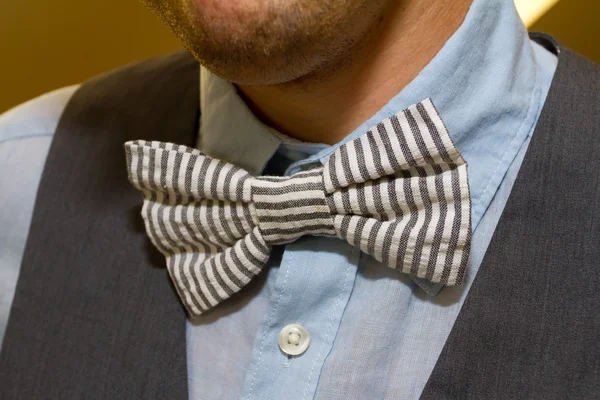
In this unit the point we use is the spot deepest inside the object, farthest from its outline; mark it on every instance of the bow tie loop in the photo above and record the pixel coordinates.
(290, 207)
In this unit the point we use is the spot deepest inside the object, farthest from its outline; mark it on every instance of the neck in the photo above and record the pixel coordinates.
(327, 105)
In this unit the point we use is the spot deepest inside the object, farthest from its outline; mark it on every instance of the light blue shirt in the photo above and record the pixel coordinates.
(375, 334)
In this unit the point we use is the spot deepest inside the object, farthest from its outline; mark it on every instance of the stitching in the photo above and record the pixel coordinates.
(535, 90)
(269, 323)
(487, 187)
(332, 320)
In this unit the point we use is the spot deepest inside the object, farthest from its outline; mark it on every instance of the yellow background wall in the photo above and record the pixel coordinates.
(47, 44)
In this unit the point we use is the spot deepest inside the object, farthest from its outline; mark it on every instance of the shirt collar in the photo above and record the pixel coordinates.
(229, 130)
(485, 82)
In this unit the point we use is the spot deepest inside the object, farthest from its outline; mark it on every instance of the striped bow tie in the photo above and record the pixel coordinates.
(399, 192)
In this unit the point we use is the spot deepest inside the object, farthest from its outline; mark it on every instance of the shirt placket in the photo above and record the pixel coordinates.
(312, 290)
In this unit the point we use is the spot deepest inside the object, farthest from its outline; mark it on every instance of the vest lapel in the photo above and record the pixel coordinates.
(94, 315)
(529, 326)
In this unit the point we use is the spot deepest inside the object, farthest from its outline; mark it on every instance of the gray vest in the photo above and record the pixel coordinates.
(95, 316)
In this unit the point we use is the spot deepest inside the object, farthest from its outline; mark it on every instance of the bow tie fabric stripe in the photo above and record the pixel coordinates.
(399, 192)
(193, 231)
(430, 205)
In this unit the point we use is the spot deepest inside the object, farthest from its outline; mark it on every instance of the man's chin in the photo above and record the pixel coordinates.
(252, 68)
(267, 42)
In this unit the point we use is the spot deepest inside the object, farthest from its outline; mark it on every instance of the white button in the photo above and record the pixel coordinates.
(293, 339)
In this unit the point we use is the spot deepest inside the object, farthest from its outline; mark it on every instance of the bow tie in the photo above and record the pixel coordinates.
(399, 192)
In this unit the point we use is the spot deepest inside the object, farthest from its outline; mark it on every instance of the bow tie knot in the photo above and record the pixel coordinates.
(399, 192)
(290, 207)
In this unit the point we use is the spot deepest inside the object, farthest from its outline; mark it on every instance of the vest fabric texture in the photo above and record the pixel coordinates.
(94, 314)
(530, 325)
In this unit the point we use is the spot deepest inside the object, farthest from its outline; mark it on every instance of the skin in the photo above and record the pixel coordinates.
(314, 69)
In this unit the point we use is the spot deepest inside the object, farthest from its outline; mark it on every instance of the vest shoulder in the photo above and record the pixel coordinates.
(585, 71)
(150, 75)
(138, 100)
(575, 73)
(36, 117)
(574, 96)
(41, 115)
